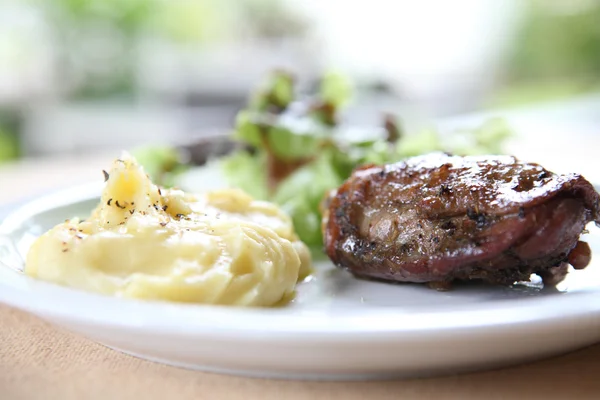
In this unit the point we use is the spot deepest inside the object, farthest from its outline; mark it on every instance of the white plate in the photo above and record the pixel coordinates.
(338, 327)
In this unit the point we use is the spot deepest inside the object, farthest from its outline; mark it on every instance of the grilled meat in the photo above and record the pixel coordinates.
(439, 218)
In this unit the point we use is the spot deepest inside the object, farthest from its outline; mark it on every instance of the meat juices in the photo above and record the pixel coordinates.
(439, 218)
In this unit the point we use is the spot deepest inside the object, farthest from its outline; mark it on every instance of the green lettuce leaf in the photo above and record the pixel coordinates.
(247, 172)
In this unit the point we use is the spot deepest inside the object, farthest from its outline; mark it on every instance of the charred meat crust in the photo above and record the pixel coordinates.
(439, 218)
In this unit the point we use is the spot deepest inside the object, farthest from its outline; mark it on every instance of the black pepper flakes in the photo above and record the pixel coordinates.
(479, 218)
(165, 207)
(471, 213)
(445, 190)
(106, 175)
(163, 224)
(120, 205)
(159, 192)
(131, 211)
(108, 202)
(448, 225)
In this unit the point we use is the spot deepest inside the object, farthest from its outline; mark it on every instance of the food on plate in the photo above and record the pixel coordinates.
(141, 241)
(294, 147)
(439, 218)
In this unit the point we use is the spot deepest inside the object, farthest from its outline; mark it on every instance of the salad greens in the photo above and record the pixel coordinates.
(163, 164)
(300, 152)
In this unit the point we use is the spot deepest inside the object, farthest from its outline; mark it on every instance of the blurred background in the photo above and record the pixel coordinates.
(81, 76)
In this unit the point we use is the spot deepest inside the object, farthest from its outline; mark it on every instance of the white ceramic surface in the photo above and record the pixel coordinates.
(338, 327)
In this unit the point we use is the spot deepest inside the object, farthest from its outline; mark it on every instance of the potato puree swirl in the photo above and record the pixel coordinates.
(141, 241)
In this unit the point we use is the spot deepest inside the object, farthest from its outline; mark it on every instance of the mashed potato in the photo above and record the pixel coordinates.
(222, 247)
